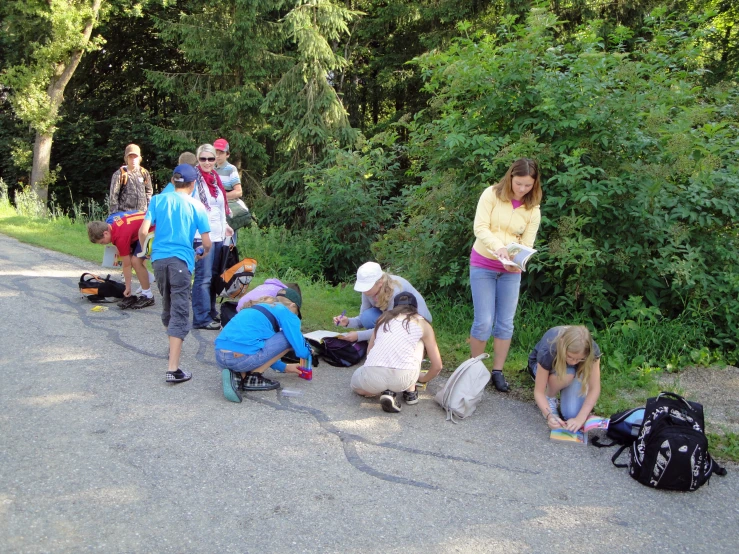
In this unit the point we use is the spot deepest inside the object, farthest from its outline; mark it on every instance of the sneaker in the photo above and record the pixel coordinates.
(128, 302)
(553, 405)
(258, 382)
(389, 402)
(212, 326)
(178, 376)
(143, 302)
(499, 381)
(410, 397)
(231, 385)
(306, 374)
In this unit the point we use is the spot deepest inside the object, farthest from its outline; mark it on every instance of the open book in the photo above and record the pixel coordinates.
(519, 255)
(581, 436)
(319, 336)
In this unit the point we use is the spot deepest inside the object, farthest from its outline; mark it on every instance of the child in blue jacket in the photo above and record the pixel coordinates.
(255, 339)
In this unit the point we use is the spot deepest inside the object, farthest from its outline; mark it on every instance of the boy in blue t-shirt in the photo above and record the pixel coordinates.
(177, 218)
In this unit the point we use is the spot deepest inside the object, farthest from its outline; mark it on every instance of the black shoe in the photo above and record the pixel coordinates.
(143, 302)
(257, 382)
(212, 326)
(410, 397)
(128, 302)
(499, 381)
(389, 402)
(178, 376)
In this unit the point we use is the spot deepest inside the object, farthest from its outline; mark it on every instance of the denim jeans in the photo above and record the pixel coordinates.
(495, 299)
(203, 299)
(570, 401)
(273, 346)
(369, 317)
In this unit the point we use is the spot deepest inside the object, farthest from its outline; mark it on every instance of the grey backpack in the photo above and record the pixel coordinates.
(463, 390)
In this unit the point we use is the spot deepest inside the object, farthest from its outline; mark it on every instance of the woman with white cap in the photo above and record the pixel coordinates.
(378, 293)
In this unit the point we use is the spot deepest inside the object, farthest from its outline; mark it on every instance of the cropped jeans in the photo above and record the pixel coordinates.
(203, 298)
(495, 299)
(244, 363)
(570, 401)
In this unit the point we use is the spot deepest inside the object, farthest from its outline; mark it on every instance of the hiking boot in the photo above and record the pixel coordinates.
(178, 376)
(305, 373)
(143, 302)
(499, 381)
(389, 402)
(212, 326)
(128, 302)
(410, 397)
(231, 385)
(257, 382)
(553, 405)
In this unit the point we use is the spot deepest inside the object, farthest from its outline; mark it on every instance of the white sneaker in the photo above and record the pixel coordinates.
(553, 405)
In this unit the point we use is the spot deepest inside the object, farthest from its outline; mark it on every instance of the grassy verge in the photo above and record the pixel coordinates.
(636, 349)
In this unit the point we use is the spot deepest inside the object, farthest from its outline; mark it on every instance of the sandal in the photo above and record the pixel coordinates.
(499, 381)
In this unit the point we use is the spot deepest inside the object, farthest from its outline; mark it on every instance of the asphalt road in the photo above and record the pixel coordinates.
(98, 453)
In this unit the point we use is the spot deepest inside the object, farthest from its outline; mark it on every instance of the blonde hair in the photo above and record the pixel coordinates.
(387, 291)
(575, 339)
(523, 167)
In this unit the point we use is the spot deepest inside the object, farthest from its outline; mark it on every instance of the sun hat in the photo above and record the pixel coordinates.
(405, 299)
(132, 149)
(294, 297)
(221, 144)
(367, 275)
(187, 174)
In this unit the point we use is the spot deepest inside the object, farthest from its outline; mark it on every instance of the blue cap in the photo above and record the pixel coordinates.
(187, 172)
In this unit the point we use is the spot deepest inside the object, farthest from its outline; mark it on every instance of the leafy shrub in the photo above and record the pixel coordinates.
(641, 178)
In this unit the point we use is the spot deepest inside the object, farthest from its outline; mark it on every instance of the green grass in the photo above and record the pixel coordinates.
(636, 350)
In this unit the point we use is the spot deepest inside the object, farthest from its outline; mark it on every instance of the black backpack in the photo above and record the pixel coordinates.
(671, 450)
(96, 289)
(339, 352)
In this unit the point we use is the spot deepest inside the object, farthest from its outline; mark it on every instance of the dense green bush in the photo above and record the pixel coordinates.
(639, 162)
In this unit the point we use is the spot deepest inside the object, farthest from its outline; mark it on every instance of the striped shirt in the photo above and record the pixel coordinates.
(397, 348)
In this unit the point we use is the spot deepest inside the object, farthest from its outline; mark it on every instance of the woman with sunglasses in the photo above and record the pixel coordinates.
(209, 190)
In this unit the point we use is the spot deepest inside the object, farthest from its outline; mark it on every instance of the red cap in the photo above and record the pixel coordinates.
(221, 144)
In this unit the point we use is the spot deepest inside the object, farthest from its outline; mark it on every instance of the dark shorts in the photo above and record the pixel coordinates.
(173, 280)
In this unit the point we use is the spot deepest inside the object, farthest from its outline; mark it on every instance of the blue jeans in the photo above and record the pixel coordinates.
(495, 299)
(203, 299)
(273, 346)
(570, 401)
(369, 317)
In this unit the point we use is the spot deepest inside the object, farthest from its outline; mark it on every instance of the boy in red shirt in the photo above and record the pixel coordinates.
(123, 233)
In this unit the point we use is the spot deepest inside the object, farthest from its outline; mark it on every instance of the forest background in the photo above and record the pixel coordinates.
(368, 130)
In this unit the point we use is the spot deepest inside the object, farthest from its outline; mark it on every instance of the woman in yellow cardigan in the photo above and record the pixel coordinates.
(507, 212)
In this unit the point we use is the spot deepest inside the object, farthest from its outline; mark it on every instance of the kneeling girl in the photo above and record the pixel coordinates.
(395, 353)
(255, 339)
(566, 361)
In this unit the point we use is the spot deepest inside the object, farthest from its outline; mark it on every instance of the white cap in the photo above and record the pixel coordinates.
(367, 275)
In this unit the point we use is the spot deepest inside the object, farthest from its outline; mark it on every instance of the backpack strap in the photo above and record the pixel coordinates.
(598, 444)
(269, 315)
(617, 454)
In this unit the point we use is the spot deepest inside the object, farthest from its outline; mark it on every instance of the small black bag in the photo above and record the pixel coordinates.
(339, 352)
(671, 450)
(97, 290)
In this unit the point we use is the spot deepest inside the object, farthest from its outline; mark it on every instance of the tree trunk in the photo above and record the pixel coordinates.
(55, 92)
(41, 159)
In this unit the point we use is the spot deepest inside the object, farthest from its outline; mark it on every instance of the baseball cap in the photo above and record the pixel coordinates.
(187, 172)
(132, 149)
(405, 299)
(367, 275)
(294, 297)
(221, 144)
